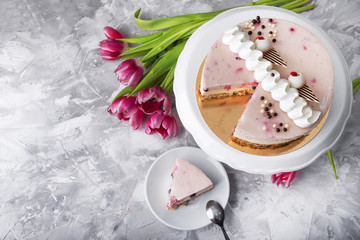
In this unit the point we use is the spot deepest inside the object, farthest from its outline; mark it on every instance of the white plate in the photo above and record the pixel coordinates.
(157, 184)
(186, 71)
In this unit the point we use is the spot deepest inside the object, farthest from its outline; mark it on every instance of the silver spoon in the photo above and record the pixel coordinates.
(215, 213)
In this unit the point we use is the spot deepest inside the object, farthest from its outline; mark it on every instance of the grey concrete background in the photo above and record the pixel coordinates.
(68, 170)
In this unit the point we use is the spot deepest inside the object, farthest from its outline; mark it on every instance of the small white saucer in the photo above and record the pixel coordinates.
(157, 183)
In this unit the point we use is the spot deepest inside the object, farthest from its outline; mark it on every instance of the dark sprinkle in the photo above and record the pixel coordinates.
(280, 124)
(262, 98)
(152, 99)
(259, 33)
(270, 20)
(237, 58)
(249, 32)
(250, 95)
(262, 26)
(278, 130)
(285, 129)
(253, 87)
(258, 21)
(271, 32)
(257, 17)
(274, 40)
(266, 109)
(253, 21)
(169, 191)
(269, 116)
(193, 195)
(270, 104)
(206, 89)
(272, 74)
(275, 114)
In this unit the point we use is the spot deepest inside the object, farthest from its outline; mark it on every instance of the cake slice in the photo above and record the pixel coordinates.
(264, 125)
(187, 182)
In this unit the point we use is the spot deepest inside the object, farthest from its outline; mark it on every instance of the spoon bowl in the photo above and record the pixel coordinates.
(216, 214)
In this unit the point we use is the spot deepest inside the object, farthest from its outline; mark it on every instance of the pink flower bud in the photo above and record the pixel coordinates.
(126, 110)
(165, 125)
(284, 177)
(110, 48)
(112, 33)
(153, 100)
(129, 72)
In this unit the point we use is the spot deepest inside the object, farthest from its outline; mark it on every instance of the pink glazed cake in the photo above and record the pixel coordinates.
(277, 113)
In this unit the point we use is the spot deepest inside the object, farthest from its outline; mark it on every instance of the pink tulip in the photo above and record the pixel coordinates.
(112, 33)
(284, 177)
(153, 100)
(165, 125)
(111, 48)
(126, 109)
(129, 72)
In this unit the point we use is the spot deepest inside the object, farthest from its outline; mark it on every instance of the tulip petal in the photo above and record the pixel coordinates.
(125, 75)
(169, 123)
(166, 105)
(112, 33)
(144, 95)
(112, 46)
(274, 178)
(156, 120)
(125, 65)
(110, 58)
(137, 119)
(149, 107)
(128, 106)
(291, 177)
(114, 106)
(136, 77)
(153, 100)
(148, 129)
(108, 53)
(163, 132)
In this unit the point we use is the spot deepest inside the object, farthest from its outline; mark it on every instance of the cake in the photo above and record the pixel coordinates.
(187, 182)
(277, 113)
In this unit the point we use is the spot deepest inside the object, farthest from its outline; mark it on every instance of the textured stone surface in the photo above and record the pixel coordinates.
(68, 170)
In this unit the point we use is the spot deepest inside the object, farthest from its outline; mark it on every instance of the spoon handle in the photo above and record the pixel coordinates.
(224, 232)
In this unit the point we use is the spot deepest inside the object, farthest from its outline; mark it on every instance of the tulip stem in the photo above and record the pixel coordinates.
(332, 162)
(290, 4)
(302, 9)
(167, 84)
(160, 68)
(276, 2)
(142, 39)
(356, 84)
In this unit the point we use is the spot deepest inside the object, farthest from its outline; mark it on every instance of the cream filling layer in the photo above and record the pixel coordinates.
(290, 102)
(265, 142)
(224, 91)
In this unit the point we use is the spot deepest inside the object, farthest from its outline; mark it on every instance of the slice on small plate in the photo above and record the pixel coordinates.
(187, 182)
(158, 182)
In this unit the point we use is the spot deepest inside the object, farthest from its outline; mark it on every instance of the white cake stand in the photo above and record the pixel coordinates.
(186, 71)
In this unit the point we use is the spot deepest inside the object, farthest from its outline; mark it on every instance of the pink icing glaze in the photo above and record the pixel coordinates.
(227, 71)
